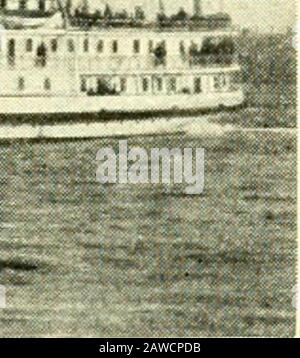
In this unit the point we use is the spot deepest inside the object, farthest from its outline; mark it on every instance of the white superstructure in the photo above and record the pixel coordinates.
(114, 63)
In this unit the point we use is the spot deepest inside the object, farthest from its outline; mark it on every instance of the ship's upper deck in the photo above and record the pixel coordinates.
(29, 13)
(161, 23)
(203, 24)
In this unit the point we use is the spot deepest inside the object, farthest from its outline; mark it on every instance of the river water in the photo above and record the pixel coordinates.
(82, 259)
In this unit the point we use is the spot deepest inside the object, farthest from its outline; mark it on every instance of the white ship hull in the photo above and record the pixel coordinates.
(117, 104)
(58, 118)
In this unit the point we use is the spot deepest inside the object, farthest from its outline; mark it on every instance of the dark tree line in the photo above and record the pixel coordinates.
(268, 58)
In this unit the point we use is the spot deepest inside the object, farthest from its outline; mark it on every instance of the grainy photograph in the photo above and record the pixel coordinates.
(148, 171)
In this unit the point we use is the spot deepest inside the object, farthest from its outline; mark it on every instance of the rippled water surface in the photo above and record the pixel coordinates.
(81, 259)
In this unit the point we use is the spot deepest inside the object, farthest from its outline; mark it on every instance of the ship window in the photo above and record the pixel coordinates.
(11, 51)
(158, 83)
(71, 46)
(197, 85)
(3, 4)
(123, 84)
(145, 84)
(216, 82)
(182, 50)
(150, 45)
(47, 84)
(54, 45)
(86, 45)
(83, 85)
(29, 45)
(100, 46)
(172, 84)
(42, 5)
(115, 46)
(22, 4)
(21, 84)
(219, 81)
(136, 46)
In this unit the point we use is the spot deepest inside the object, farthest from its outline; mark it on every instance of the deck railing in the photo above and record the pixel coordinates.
(205, 24)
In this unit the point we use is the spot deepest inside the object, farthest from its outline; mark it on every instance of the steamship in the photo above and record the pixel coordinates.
(59, 60)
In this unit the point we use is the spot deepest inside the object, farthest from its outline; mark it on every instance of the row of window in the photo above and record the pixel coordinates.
(147, 84)
(86, 45)
(22, 85)
(171, 84)
(100, 46)
(23, 5)
(108, 85)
